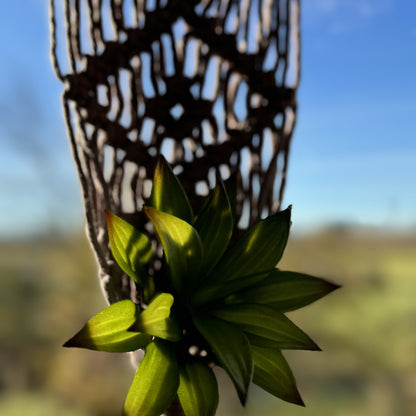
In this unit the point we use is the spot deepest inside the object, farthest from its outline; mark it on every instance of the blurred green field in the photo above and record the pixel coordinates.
(367, 331)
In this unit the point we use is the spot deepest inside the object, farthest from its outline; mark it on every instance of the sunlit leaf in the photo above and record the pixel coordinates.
(232, 350)
(155, 319)
(155, 383)
(266, 326)
(198, 390)
(285, 291)
(109, 330)
(215, 226)
(256, 253)
(182, 247)
(167, 193)
(272, 373)
(131, 249)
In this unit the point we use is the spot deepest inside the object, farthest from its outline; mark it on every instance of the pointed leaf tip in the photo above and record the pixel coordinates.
(285, 291)
(265, 326)
(249, 260)
(233, 185)
(109, 330)
(273, 374)
(214, 224)
(168, 194)
(258, 250)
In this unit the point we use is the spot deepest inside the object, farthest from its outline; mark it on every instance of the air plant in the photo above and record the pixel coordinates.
(213, 302)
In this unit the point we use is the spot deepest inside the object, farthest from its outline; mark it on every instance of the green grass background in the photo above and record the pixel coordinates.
(367, 330)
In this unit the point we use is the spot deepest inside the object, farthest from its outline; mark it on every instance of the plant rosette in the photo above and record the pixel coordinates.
(212, 303)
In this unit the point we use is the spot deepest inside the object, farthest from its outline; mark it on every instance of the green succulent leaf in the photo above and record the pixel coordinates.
(149, 291)
(155, 383)
(131, 249)
(272, 373)
(182, 247)
(215, 226)
(232, 184)
(266, 326)
(220, 291)
(232, 349)
(168, 194)
(109, 330)
(258, 250)
(254, 255)
(155, 319)
(285, 291)
(198, 390)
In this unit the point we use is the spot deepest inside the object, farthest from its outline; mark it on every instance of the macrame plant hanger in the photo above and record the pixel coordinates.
(209, 84)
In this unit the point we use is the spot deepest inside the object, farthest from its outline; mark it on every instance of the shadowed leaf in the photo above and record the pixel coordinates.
(249, 260)
(232, 185)
(266, 326)
(219, 290)
(215, 226)
(285, 291)
(272, 373)
(198, 390)
(232, 350)
(258, 250)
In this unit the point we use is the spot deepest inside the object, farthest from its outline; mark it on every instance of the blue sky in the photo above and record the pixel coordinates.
(353, 156)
